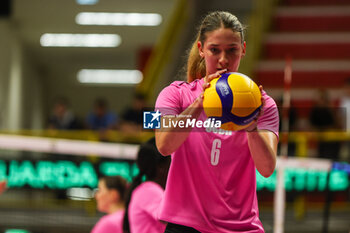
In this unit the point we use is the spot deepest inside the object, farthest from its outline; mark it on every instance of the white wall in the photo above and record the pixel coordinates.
(20, 88)
(61, 81)
(5, 61)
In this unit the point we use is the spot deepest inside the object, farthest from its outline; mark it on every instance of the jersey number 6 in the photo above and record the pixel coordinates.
(215, 152)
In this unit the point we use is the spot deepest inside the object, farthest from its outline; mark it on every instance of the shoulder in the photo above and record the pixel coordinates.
(269, 101)
(102, 225)
(146, 198)
(149, 187)
(147, 192)
(182, 85)
(178, 83)
(178, 88)
(270, 105)
(173, 98)
(270, 117)
(109, 223)
(115, 217)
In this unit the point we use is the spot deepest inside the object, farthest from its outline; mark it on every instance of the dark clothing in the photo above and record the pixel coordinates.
(174, 228)
(322, 118)
(67, 122)
(134, 116)
(107, 121)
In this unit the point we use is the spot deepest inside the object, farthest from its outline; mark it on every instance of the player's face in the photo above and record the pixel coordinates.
(103, 197)
(222, 49)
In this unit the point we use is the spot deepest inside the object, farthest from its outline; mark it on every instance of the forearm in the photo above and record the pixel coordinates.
(263, 148)
(170, 139)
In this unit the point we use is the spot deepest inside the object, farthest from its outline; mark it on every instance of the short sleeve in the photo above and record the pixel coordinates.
(270, 119)
(150, 200)
(103, 226)
(169, 101)
(144, 208)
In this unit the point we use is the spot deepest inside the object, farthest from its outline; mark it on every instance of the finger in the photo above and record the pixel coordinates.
(261, 110)
(208, 79)
(201, 96)
(263, 101)
(205, 85)
(200, 99)
(216, 74)
(261, 88)
(262, 98)
(222, 71)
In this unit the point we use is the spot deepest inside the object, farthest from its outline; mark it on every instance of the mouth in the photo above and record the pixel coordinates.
(218, 69)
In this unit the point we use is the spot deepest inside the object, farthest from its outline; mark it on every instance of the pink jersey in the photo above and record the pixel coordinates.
(211, 184)
(111, 223)
(144, 208)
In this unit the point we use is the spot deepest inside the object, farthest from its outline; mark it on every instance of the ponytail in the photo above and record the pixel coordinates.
(136, 182)
(151, 165)
(195, 63)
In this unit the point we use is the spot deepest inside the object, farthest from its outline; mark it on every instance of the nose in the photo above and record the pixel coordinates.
(223, 59)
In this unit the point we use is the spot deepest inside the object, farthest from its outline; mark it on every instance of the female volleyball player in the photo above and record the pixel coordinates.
(143, 199)
(211, 184)
(110, 200)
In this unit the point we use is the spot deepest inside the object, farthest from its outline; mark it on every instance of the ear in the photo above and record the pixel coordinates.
(243, 49)
(200, 49)
(115, 195)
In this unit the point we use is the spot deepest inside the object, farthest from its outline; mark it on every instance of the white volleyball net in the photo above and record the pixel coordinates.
(52, 178)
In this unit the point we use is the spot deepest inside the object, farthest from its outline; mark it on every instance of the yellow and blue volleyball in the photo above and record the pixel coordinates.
(234, 99)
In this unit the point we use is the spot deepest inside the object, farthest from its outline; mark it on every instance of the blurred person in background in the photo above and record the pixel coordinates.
(132, 117)
(323, 118)
(110, 200)
(345, 113)
(3, 185)
(62, 117)
(144, 198)
(292, 122)
(101, 119)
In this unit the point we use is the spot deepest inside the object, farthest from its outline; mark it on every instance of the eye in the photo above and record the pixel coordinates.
(214, 50)
(231, 50)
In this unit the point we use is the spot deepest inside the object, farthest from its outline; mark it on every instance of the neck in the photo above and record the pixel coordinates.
(115, 207)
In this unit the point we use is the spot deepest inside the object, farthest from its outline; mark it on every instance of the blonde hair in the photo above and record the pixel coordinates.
(196, 68)
(195, 64)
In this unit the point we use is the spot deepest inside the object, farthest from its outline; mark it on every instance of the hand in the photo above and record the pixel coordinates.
(253, 127)
(206, 84)
(209, 78)
(2, 186)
